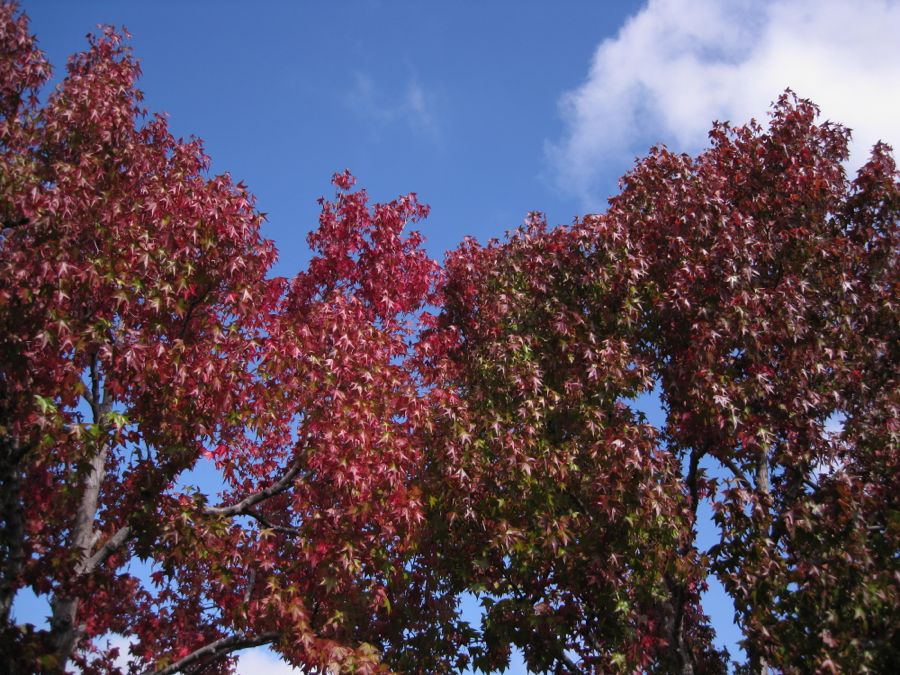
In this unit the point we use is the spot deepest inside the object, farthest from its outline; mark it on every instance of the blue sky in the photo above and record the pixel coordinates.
(455, 101)
(488, 110)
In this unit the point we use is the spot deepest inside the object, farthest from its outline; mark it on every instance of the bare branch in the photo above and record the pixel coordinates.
(88, 396)
(691, 479)
(251, 584)
(729, 464)
(568, 663)
(113, 544)
(265, 522)
(243, 507)
(95, 400)
(763, 479)
(215, 650)
(64, 631)
(196, 302)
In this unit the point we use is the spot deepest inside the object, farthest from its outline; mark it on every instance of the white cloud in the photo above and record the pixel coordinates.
(124, 644)
(262, 661)
(256, 661)
(677, 65)
(418, 109)
(414, 107)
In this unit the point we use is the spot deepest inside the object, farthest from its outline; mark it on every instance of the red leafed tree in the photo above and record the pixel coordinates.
(758, 288)
(563, 508)
(378, 462)
(770, 290)
(138, 335)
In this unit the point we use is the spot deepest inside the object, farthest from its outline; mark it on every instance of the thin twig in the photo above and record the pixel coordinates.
(729, 464)
(268, 524)
(243, 507)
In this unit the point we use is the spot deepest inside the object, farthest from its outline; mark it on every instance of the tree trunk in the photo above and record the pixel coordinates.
(758, 663)
(12, 530)
(64, 630)
(681, 660)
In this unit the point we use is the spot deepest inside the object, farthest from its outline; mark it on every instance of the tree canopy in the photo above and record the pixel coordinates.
(393, 433)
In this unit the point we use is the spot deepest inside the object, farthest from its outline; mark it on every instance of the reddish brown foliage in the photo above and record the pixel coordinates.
(378, 461)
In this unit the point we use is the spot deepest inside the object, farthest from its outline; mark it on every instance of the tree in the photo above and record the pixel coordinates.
(756, 287)
(140, 334)
(569, 508)
(391, 435)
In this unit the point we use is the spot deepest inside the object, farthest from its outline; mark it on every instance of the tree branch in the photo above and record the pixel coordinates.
(728, 463)
(265, 522)
(243, 507)
(691, 479)
(88, 396)
(95, 390)
(64, 632)
(196, 302)
(215, 650)
(568, 663)
(681, 654)
(251, 584)
(113, 544)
